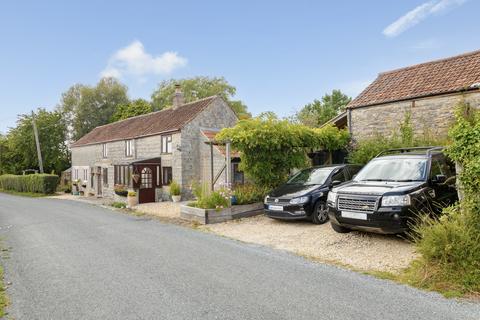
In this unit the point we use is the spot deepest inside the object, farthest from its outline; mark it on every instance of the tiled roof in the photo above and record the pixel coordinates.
(448, 75)
(210, 135)
(166, 120)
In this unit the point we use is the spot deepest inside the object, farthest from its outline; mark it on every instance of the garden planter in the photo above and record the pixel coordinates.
(176, 198)
(208, 216)
(132, 201)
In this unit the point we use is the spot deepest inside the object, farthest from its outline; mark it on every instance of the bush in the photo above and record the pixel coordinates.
(450, 245)
(119, 205)
(367, 149)
(175, 189)
(132, 194)
(34, 183)
(271, 148)
(65, 188)
(249, 193)
(214, 199)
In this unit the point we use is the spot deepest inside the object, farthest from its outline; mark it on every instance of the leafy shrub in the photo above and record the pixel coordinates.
(65, 189)
(34, 183)
(119, 205)
(367, 149)
(175, 189)
(249, 193)
(214, 199)
(271, 148)
(450, 245)
(132, 194)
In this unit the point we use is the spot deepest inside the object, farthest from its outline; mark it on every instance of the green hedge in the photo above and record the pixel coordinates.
(35, 183)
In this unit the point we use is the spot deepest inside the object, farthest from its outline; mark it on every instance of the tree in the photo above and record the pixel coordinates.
(198, 88)
(3, 155)
(20, 146)
(134, 108)
(85, 107)
(271, 148)
(318, 112)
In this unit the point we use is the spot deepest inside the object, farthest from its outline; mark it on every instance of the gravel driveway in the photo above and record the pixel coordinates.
(362, 251)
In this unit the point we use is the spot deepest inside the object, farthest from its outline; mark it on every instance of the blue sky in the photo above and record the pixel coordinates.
(279, 54)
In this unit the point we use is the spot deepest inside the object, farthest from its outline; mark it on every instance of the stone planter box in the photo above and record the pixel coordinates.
(208, 216)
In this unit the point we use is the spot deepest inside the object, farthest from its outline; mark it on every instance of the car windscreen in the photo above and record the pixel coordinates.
(391, 169)
(311, 176)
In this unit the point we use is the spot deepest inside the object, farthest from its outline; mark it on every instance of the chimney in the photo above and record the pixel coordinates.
(178, 98)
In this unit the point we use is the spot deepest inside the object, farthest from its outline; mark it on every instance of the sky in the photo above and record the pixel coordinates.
(280, 55)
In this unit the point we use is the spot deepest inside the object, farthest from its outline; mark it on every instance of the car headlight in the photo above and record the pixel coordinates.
(299, 200)
(332, 197)
(392, 201)
(266, 199)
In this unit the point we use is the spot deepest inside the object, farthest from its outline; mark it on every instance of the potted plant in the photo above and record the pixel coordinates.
(132, 199)
(75, 187)
(175, 191)
(120, 190)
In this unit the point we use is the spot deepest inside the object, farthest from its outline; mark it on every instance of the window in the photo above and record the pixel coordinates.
(122, 175)
(167, 144)
(75, 174)
(238, 177)
(146, 178)
(129, 148)
(339, 176)
(104, 150)
(166, 175)
(85, 174)
(91, 178)
(105, 177)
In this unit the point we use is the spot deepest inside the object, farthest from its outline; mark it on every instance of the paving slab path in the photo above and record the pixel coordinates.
(72, 260)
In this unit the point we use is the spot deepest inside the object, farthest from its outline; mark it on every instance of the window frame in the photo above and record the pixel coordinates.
(167, 144)
(105, 176)
(165, 175)
(129, 148)
(104, 151)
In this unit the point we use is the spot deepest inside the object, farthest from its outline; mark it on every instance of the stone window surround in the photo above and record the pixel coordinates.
(129, 148)
(104, 150)
(166, 144)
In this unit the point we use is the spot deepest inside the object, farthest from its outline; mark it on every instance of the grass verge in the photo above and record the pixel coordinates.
(3, 295)
(25, 194)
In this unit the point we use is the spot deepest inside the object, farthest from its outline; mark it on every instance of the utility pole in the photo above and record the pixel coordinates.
(37, 142)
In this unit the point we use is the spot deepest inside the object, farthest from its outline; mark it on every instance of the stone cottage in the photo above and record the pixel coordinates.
(147, 152)
(429, 91)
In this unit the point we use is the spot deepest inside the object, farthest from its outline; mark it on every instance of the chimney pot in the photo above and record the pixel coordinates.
(178, 98)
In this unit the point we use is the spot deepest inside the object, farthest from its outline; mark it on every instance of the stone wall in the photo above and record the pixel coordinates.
(430, 117)
(216, 116)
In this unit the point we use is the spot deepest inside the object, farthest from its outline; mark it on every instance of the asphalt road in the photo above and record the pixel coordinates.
(70, 260)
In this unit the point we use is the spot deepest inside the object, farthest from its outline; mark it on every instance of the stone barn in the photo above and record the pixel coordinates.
(429, 91)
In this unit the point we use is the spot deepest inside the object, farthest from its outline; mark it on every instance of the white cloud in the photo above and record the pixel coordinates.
(134, 61)
(419, 14)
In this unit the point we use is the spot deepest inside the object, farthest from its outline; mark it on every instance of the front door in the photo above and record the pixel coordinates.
(147, 184)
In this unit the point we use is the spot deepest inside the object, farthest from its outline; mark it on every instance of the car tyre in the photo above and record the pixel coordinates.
(339, 228)
(320, 213)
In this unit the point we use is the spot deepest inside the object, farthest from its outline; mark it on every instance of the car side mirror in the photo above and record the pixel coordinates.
(336, 182)
(439, 178)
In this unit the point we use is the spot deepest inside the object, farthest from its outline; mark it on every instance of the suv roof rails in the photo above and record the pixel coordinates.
(428, 150)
